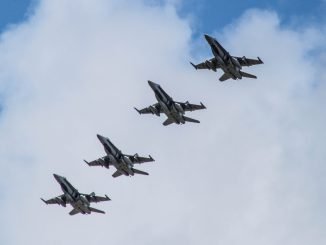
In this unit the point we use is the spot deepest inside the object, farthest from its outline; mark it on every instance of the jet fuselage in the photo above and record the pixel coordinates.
(170, 108)
(227, 63)
(121, 162)
(72, 196)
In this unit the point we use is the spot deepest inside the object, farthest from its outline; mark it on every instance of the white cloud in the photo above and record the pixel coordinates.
(250, 173)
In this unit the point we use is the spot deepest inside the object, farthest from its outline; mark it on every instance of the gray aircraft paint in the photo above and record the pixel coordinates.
(230, 65)
(79, 202)
(175, 111)
(122, 162)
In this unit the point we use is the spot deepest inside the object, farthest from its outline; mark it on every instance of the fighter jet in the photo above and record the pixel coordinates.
(173, 110)
(231, 65)
(123, 163)
(80, 202)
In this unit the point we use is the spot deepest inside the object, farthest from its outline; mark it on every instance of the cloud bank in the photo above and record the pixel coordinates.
(250, 173)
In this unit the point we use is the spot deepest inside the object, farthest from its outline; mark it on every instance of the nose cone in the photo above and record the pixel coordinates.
(101, 138)
(152, 85)
(57, 177)
(208, 38)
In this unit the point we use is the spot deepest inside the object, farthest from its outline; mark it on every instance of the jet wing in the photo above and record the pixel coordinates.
(248, 62)
(153, 109)
(103, 162)
(208, 64)
(56, 200)
(136, 159)
(96, 210)
(93, 198)
(191, 107)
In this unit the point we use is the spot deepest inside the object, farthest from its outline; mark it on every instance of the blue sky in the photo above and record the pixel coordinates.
(13, 11)
(212, 15)
(215, 14)
(209, 15)
(251, 173)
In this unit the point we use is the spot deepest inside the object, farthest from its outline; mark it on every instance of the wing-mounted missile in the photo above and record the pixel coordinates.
(89, 197)
(244, 60)
(136, 155)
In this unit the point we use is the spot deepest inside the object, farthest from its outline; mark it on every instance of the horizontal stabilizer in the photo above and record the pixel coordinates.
(96, 210)
(136, 171)
(247, 75)
(74, 211)
(116, 174)
(188, 119)
(168, 122)
(225, 77)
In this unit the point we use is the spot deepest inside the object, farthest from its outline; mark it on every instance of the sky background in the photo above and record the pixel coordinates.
(208, 15)
(252, 172)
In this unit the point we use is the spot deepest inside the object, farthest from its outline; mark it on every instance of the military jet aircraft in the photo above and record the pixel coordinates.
(231, 65)
(80, 202)
(173, 110)
(123, 163)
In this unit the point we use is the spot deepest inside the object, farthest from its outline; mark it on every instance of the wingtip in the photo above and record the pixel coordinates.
(86, 162)
(137, 110)
(108, 198)
(44, 201)
(193, 65)
(204, 107)
(262, 62)
(151, 158)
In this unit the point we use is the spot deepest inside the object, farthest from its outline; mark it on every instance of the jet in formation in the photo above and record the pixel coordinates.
(173, 110)
(231, 65)
(80, 202)
(122, 162)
